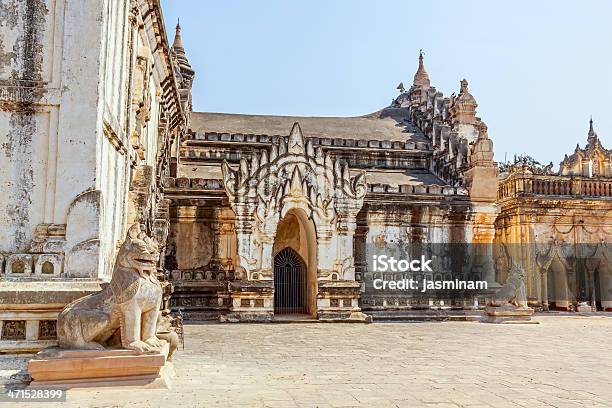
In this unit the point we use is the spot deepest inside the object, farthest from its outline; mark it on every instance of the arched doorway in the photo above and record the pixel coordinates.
(290, 283)
(295, 265)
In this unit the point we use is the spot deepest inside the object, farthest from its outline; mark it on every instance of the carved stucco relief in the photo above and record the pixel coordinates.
(294, 176)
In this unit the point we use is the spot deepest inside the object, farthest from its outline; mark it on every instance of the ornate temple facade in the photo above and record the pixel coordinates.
(560, 225)
(261, 216)
(332, 190)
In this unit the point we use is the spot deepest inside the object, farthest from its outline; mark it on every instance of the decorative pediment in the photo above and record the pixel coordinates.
(293, 175)
(294, 172)
(601, 258)
(591, 161)
(553, 251)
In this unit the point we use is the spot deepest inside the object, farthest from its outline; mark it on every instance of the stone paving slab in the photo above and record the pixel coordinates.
(562, 362)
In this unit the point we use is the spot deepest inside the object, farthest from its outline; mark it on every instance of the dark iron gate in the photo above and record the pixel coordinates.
(289, 283)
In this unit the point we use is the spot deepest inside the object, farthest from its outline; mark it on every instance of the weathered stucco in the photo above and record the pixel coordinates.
(87, 98)
(22, 32)
(560, 225)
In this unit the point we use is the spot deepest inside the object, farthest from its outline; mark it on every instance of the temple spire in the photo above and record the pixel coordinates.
(178, 41)
(592, 135)
(186, 73)
(463, 106)
(421, 77)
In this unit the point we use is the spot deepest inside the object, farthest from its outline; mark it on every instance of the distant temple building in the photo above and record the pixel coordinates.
(264, 216)
(561, 227)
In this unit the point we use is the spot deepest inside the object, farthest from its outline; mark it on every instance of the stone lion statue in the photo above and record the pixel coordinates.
(126, 311)
(513, 292)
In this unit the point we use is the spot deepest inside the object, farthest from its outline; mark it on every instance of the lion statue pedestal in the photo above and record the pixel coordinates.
(508, 314)
(58, 368)
(109, 339)
(509, 303)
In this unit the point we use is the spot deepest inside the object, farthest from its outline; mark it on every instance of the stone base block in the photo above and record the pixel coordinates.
(508, 314)
(251, 301)
(29, 309)
(411, 314)
(25, 346)
(360, 317)
(330, 315)
(585, 307)
(93, 369)
(247, 317)
(339, 301)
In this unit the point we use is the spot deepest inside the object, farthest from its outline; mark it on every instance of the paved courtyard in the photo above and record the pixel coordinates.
(562, 362)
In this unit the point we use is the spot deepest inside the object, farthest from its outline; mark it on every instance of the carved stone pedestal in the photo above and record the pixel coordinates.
(508, 314)
(251, 301)
(339, 300)
(108, 368)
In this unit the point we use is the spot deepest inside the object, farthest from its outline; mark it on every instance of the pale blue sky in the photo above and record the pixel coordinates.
(538, 69)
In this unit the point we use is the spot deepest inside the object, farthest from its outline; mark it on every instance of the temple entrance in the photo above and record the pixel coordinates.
(290, 284)
(295, 266)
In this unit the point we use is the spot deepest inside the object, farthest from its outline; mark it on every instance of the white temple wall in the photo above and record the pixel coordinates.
(22, 177)
(65, 125)
(49, 106)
